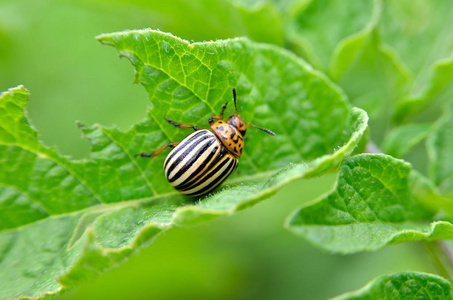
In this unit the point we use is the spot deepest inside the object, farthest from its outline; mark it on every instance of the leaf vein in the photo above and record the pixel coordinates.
(62, 164)
(32, 198)
(137, 166)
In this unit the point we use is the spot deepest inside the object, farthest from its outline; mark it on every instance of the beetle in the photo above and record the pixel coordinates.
(203, 160)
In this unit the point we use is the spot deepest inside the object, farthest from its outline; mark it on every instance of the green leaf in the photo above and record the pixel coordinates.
(440, 150)
(319, 27)
(370, 73)
(431, 33)
(431, 61)
(65, 221)
(344, 41)
(405, 285)
(374, 79)
(402, 139)
(437, 91)
(368, 48)
(378, 201)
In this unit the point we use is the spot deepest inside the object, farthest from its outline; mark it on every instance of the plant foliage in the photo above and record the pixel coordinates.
(64, 221)
(92, 214)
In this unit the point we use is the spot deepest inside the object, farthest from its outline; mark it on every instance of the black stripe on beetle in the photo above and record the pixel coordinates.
(215, 178)
(221, 178)
(188, 150)
(186, 141)
(211, 174)
(193, 157)
(191, 180)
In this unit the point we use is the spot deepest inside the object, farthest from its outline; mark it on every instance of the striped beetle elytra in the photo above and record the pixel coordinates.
(203, 160)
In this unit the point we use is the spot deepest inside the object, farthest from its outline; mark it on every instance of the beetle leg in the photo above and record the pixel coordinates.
(221, 114)
(180, 125)
(154, 153)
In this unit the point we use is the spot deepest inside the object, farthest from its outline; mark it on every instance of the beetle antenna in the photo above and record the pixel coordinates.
(234, 97)
(261, 128)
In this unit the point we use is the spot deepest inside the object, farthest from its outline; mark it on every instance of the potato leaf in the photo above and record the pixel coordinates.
(344, 41)
(367, 47)
(402, 139)
(64, 221)
(431, 63)
(406, 285)
(440, 150)
(378, 200)
(319, 28)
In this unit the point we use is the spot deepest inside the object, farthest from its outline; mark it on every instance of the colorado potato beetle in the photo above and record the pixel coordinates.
(203, 160)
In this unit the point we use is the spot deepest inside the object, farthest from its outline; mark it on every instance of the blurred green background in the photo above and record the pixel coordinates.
(49, 47)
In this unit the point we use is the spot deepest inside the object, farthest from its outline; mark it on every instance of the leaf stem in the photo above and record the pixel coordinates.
(447, 250)
(442, 258)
